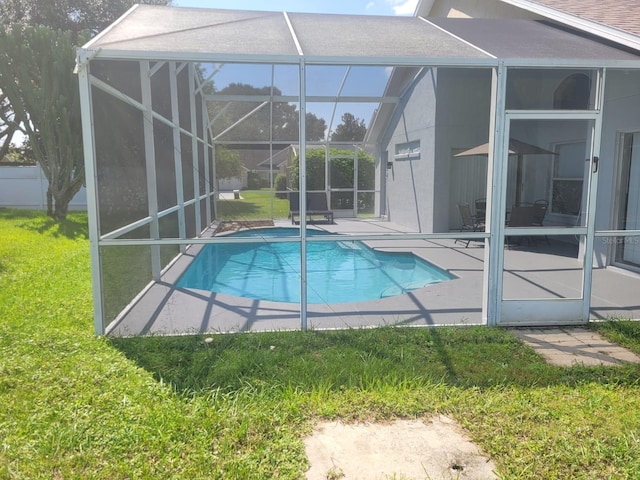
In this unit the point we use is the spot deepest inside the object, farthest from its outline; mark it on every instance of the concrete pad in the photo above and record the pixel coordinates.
(566, 347)
(407, 449)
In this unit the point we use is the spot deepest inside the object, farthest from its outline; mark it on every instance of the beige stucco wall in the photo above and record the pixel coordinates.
(474, 9)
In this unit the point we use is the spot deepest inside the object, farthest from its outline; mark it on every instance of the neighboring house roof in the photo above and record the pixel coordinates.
(615, 20)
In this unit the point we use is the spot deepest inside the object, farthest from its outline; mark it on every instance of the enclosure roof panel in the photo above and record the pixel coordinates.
(516, 38)
(239, 33)
(325, 35)
(199, 30)
(148, 31)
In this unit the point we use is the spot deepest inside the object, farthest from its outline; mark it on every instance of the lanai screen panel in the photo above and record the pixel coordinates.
(423, 59)
(374, 36)
(199, 30)
(524, 39)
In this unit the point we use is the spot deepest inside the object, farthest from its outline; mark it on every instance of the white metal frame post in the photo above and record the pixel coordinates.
(302, 182)
(89, 148)
(194, 148)
(150, 163)
(493, 261)
(177, 151)
(596, 140)
(205, 153)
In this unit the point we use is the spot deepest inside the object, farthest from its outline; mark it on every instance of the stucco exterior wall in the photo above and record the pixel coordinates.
(475, 9)
(446, 111)
(462, 122)
(620, 115)
(410, 180)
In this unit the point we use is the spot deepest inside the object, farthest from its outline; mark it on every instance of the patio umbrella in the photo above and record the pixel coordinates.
(516, 147)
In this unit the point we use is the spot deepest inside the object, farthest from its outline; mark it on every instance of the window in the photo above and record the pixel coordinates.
(568, 178)
(407, 150)
(550, 89)
(573, 93)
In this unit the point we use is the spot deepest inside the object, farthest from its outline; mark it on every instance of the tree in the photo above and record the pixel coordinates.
(31, 107)
(36, 76)
(256, 126)
(228, 164)
(351, 129)
(341, 170)
(70, 15)
(7, 125)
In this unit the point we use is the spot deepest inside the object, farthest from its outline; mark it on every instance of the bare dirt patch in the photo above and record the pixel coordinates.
(233, 226)
(404, 449)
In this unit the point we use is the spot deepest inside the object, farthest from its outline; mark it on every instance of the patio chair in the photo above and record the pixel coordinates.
(521, 216)
(469, 222)
(316, 205)
(294, 205)
(481, 209)
(539, 211)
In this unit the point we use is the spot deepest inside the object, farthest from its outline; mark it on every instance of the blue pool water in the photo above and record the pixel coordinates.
(342, 271)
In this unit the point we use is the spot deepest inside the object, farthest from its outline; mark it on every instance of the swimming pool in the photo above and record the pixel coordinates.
(337, 272)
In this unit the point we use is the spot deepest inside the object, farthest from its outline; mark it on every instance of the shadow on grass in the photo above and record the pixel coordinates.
(237, 209)
(73, 227)
(478, 357)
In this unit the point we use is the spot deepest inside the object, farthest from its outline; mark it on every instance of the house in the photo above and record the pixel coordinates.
(514, 111)
(559, 178)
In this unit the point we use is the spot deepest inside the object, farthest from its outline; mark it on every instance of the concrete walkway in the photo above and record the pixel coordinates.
(575, 346)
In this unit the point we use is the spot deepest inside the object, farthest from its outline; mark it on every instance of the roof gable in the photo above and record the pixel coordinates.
(621, 14)
(614, 20)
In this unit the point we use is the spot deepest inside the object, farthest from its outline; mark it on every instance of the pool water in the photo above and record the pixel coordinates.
(337, 272)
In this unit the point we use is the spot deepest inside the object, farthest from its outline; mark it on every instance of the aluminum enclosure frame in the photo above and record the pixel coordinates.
(494, 235)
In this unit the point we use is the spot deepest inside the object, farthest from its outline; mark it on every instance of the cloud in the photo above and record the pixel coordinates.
(403, 7)
(370, 5)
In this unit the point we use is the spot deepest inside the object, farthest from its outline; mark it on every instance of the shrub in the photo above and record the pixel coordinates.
(280, 185)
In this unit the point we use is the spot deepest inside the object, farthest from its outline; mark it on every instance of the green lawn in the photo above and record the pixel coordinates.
(254, 205)
(238, 406)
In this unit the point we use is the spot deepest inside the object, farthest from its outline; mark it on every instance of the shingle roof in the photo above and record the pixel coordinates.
(620, 14)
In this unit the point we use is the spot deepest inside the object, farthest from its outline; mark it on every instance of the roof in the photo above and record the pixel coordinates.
(615, 20)
(196, 34)
(274, 36)
(515, 38)
(621, 14)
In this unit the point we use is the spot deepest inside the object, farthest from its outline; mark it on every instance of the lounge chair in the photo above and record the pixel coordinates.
(469, 222)
(316, 206)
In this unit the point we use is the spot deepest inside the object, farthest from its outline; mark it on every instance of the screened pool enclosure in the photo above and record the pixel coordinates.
(502, 153)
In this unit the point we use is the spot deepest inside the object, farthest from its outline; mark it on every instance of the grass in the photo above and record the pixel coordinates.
(254, 205)
(238, 406)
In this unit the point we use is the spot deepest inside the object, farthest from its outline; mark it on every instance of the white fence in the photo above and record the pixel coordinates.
(26, 187)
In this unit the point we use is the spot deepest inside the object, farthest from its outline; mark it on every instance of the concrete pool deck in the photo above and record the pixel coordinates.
(533, 271)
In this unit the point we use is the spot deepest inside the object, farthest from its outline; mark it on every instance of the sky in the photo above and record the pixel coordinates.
(358, 7)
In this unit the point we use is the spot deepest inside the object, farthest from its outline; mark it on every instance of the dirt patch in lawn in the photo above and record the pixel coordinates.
(404, 449)
(234, 226)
